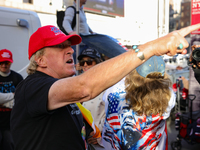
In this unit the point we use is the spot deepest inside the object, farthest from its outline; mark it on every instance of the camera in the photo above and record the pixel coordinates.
(196, 54)
(196, 58)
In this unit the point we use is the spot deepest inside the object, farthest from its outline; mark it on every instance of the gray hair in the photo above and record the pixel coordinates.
(31, 69)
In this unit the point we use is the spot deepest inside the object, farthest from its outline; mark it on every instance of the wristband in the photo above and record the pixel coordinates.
(135, 48)
(140, 55)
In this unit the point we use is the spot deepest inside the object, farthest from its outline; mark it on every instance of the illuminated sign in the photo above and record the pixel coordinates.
(106, 7)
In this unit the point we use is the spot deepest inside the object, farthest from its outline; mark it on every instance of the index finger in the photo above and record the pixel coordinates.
(185, 31)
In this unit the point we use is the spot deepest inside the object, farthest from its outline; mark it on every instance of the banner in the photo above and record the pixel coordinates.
(195, 14)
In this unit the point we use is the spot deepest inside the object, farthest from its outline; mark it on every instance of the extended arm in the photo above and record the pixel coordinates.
(100, 77)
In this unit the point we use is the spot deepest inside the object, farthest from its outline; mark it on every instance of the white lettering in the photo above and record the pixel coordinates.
(75, 112)
(5, 55)
(196, 1)
(194, 5)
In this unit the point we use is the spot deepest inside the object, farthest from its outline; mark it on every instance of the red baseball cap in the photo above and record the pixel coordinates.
(6, 55)
(49, 36)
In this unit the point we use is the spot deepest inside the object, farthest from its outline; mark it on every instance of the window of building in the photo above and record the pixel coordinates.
(182, 14)
(182, 24)
(28, 1)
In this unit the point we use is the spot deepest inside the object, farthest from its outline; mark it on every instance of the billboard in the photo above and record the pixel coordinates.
(195, 14)
(106, 7)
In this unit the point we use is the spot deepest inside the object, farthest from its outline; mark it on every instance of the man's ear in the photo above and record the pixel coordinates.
(41, 62)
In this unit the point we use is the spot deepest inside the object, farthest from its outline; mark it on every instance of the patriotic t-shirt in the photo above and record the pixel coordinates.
(125, 130)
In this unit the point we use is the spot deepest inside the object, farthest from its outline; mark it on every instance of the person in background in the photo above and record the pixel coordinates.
(84, 28)
(137, 108)
(194, 62)
(185, 82)
(195, 66)
(45, 114)
(83, 25)
(9, 80)
(88, 59)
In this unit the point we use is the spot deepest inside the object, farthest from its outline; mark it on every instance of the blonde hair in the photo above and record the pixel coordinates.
(148, 96)
(31, 69)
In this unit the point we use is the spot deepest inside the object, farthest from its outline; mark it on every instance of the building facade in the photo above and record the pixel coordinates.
(143, 20)
(180, 14)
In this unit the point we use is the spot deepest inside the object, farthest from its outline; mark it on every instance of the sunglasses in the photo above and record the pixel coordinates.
(5, 62)
(88, 62)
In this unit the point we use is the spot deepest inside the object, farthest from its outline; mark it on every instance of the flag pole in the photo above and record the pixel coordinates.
(77, 30)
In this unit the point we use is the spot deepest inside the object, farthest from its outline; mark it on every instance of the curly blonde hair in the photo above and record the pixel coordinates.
(31, 69)
(150, 95)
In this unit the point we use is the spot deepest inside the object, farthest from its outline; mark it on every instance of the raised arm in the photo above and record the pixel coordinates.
(100, 77)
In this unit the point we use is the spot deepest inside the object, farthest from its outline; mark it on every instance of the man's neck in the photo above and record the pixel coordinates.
(3, 74)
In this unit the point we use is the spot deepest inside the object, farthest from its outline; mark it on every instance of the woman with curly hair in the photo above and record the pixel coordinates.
(137, 108)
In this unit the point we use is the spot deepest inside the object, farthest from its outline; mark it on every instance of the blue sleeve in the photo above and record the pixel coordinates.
(69, 15)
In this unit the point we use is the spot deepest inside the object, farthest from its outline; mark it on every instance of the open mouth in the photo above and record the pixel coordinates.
(70, 61)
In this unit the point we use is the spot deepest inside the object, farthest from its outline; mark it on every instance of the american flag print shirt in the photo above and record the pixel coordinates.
(125, 130)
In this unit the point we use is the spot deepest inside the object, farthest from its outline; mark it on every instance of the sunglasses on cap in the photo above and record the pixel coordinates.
(88, 62)
(5, 62)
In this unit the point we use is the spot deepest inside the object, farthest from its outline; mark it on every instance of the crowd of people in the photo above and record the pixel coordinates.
(129, 96)
(45, 114)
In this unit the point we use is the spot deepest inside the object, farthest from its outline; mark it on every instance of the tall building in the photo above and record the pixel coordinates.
(185, 14)
(179, 16)
(174, 15)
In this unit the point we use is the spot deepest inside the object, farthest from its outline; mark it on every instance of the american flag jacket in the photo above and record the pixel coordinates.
(125, 130)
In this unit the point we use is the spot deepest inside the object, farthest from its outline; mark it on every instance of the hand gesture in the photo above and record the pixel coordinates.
(173, 42)
(91, 139)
